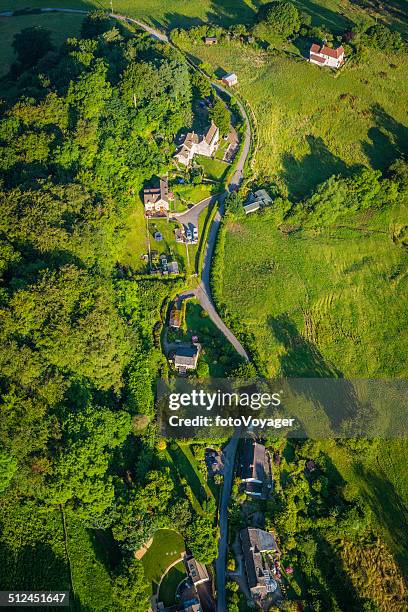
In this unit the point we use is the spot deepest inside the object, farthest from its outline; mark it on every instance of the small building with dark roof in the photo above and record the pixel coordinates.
(186, 357)
(252, 466)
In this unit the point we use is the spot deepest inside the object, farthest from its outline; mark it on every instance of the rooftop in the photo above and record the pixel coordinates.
(196, 570)
(186, 356)
(253, 460)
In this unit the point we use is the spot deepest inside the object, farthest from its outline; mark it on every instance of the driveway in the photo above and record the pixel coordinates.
(189, 217)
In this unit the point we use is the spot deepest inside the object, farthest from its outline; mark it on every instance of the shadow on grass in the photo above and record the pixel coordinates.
(303, 175)
(302, 361)
(33, 568)
(389, 510)
(187, 471)
(387, 141)
(336, 585)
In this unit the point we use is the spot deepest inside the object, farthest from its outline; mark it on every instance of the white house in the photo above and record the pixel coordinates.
(156, 199)
(326, 56)
(194, 144)
(230, 79)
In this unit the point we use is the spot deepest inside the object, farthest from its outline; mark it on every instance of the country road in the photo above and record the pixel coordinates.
(203, 294)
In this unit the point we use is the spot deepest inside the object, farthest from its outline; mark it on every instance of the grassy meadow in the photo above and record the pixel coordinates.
(61, 25)
(379, 478)
(186, 13)
(319, 300)
(311, 123)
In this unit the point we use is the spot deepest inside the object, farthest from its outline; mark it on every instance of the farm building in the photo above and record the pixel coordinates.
(210, 40)
(230, 79)
(251, 207)
(326, 56)
(195, 144)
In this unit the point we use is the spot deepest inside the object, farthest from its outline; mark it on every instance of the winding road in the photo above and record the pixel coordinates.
(203, 294)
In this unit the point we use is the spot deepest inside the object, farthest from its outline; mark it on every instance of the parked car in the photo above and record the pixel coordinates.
(195, 233)
(189, 236)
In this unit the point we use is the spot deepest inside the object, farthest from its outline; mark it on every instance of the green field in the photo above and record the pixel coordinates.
(380, 481)
(61, 26)
(305, 114)
(319, 300)
(167, 547)
(185, 13)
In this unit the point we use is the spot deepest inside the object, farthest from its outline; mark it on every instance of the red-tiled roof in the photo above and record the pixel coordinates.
(332, 52)
(325, 50)
(317, 58)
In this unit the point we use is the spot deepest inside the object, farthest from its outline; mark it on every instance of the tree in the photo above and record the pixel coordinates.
(31, 44)
(8, 467)
(381, 37)
(202, 539)
(219, 113)
(281, 18)
(95, 23)
(203, 369)
(130, 587)
(201, 84)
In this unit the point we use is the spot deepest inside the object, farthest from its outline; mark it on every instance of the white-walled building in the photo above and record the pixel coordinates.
(230, 79)
(326, 56)
(156, 199)
(194, 144)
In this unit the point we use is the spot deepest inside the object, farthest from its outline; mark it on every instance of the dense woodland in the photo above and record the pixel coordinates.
(82, 128)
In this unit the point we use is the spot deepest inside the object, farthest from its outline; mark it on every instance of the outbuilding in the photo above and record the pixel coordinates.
(230, 79)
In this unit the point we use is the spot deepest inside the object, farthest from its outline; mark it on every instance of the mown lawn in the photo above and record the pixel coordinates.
(167, 547)
(186, 195)
(311, 124)
(170, 583)
(214, 169)
(320, 300)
